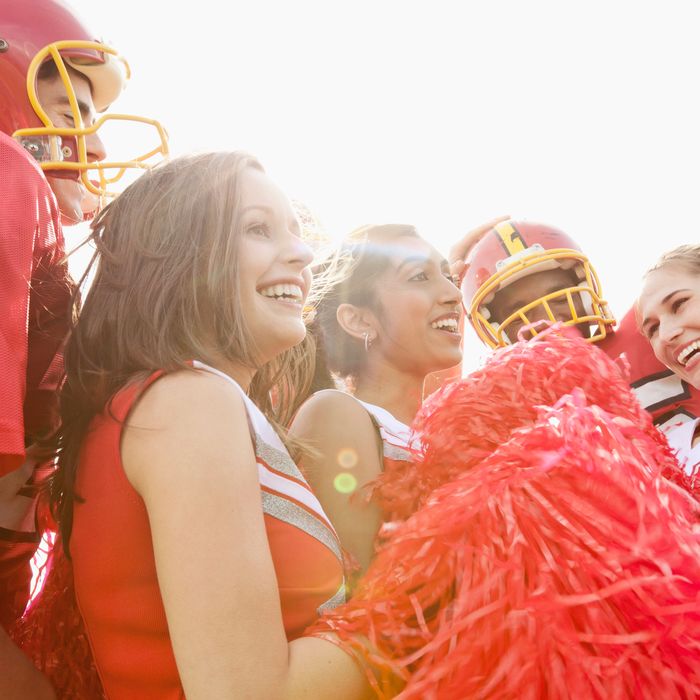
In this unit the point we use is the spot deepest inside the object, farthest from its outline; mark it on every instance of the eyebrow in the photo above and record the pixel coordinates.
(668, 296)
(270, 211)
(261, 207)
(647, 321)
(85, 109)
(411, 259)
(555, 288)
(526, 299)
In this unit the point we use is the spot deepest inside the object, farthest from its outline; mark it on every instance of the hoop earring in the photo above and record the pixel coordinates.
(368, 341)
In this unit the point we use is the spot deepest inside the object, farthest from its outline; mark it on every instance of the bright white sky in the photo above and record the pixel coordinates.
(440, 114)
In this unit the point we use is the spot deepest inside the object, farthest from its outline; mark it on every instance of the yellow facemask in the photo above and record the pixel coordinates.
(61, 150)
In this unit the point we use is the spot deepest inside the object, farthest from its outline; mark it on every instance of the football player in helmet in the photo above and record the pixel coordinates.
(55, 79)
(521, 273)
(520, 276)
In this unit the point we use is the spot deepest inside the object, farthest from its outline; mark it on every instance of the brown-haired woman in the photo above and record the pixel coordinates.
(669, 314)
(199, 552)
(381, 330)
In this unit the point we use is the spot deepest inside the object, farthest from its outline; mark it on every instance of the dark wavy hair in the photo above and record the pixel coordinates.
(363, 258)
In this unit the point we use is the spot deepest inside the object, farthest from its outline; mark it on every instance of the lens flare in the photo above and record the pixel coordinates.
(345, 483)
(347, 458)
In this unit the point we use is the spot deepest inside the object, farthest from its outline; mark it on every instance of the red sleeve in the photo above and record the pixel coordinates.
(659, 390)
(32, 269)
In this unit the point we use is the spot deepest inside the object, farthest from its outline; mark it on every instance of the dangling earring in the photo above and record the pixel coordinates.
(368, 341)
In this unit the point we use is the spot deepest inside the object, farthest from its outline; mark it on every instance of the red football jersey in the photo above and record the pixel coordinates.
(35, 297)
(665, 395)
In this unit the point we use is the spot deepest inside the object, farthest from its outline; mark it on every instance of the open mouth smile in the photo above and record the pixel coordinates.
(688, 353)
(447, 324)
(291, 293)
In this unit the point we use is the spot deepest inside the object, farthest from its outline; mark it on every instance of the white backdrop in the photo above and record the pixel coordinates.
(441, 114)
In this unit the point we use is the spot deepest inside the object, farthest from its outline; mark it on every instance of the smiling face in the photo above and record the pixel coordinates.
(419, 310)
(74, 201)
(274, 274)
(669, 312)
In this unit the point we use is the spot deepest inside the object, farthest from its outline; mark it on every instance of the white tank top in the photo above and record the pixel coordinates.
(680, 438)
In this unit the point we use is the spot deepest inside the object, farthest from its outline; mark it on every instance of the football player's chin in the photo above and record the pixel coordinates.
(69, 197)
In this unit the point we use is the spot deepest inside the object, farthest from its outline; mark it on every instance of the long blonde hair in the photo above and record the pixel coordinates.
(165, 291)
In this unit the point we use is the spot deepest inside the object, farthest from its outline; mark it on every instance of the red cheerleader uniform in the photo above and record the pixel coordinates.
(398, 442)
(400, 448)
(114, 569)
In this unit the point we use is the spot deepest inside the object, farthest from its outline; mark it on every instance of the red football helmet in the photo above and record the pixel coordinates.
(33, 32)
(513, 250)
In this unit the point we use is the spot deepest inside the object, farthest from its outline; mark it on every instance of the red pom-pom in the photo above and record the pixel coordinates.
(465, 421)
(557, 561)
(52, 633)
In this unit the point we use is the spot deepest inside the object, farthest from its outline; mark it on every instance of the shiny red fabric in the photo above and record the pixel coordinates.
(35, 297)
(52, 633)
